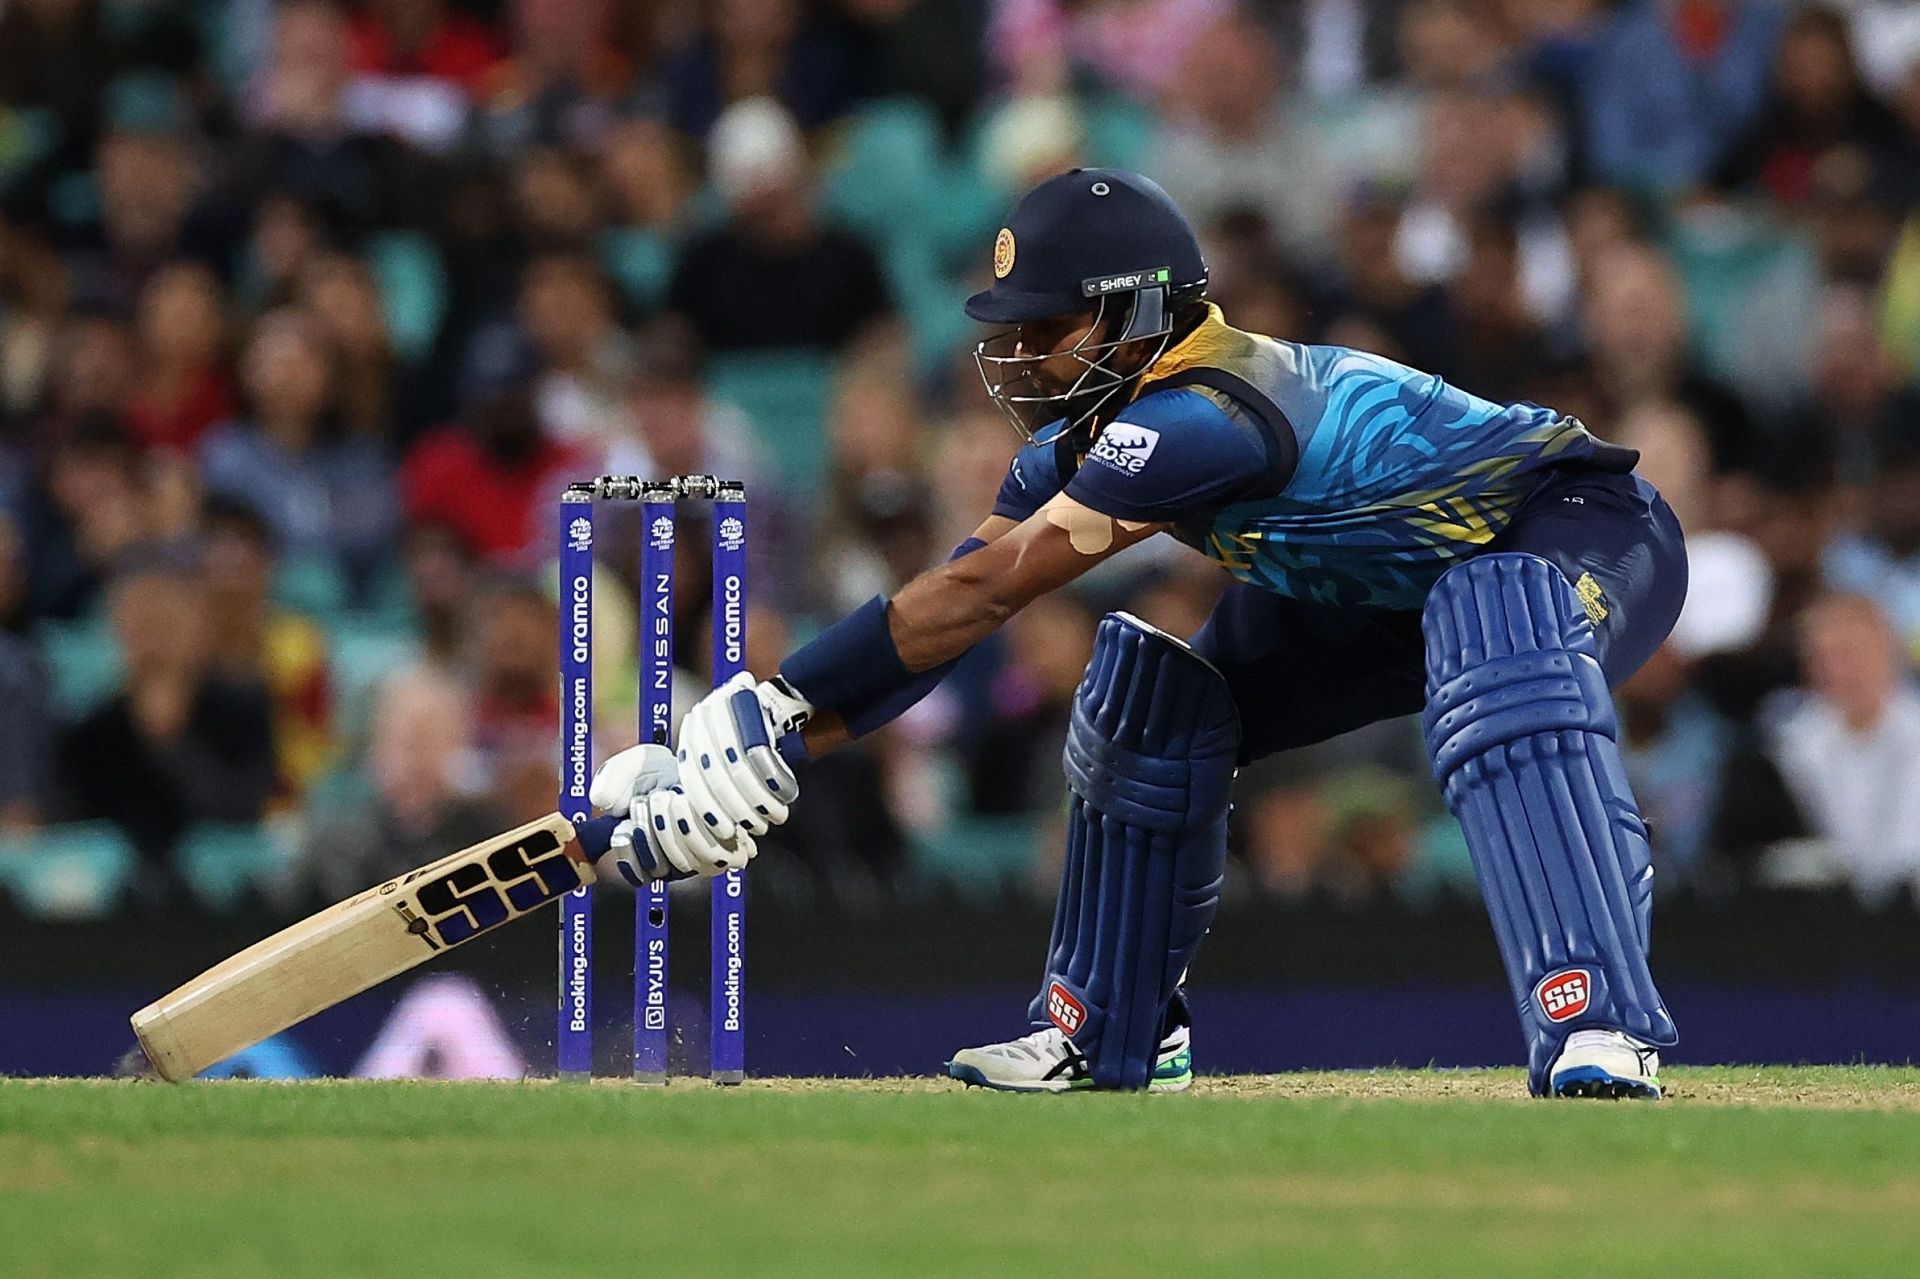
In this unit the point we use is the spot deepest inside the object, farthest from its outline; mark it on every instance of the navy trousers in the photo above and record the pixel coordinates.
(1302, 672)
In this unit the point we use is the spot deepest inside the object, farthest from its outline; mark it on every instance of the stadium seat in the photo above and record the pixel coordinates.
(413, 289)
(980, 856)
(83, 659)
(885, 175)
(75, 871)
(361, 654)
(640, 262)
(222, 863)
(785, 395)
(310, 584)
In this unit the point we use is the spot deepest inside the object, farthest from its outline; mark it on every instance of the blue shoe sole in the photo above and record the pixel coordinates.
(1591, 1081)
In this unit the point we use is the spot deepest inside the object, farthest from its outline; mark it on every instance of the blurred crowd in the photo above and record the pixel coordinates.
(308, 310)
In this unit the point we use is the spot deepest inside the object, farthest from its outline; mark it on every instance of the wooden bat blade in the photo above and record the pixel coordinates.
(356, 944)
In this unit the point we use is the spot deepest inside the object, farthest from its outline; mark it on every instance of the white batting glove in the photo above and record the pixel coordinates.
(730, 767)
(661, 837)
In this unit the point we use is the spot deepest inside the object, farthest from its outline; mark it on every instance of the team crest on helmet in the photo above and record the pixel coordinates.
(1003, 254)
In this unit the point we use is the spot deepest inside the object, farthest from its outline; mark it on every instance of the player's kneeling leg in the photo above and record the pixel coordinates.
(1150, 762)
(1522, 734)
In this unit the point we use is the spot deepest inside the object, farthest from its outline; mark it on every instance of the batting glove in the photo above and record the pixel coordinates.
(730, 765)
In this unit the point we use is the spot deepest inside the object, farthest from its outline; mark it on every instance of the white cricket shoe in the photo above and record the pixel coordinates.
(1605, 1063)
(1047, 1061)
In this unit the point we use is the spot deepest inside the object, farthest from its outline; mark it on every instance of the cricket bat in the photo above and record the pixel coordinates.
(357, 944)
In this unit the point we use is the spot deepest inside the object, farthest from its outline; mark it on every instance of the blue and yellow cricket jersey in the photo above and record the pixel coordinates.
(1317, 472)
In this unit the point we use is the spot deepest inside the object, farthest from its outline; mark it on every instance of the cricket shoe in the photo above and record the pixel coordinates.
(1047, 1061)
(1605, 1063)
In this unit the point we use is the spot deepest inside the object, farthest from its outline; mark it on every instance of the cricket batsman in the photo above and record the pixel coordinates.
(1396, 544)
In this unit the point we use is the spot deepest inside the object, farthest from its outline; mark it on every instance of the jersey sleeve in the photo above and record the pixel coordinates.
(1173, 454)
(1032, 481)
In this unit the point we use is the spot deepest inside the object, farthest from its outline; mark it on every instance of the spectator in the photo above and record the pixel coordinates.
(325, 494)
(26, 747)
(567, 311)
(1879, 558)
(1671, 84)
(440, 573)
(490, 481)
(1712, 799)
(1818, 105)
(308, 146)
(1499, 344)
(340, 294)
(182, 337)
(85, 504)
(516, 698)
(255, 641)
(179, 743)
(649, 187)
(405, 39)
(420, 758)
(1231, 142)
(760, 49)
(1729, 583)
(1636, 324)
(1849, 747)
(1379, 307)
(150, 182)
(1862, 401)
(418, 66)
(771, 275)
(1041, 45)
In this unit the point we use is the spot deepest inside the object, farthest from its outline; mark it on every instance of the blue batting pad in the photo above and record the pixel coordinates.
(1150, 761)
(1522, 736)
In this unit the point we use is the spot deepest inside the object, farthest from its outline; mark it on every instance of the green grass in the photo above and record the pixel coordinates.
(1744, 1172)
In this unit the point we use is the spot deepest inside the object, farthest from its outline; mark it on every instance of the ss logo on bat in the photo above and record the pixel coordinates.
(478, 895)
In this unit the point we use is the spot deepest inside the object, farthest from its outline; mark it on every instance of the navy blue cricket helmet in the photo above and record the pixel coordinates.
(1105, 241)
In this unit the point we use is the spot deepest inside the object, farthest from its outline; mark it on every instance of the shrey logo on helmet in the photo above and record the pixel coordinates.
(1002, 254)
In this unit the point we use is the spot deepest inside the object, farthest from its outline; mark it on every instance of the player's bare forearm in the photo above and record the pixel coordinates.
(947, 610)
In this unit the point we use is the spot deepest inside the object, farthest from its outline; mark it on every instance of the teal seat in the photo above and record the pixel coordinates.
(980, 856)
(640, 261)
(785, 395)
(1116, 130)
(83, 659)
(413, 290)
(75, 871)
(885, 174)
(310, 584)
(360, 655)
(222, 863)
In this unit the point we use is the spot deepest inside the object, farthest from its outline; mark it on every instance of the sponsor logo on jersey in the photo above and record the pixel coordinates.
(1064, 1011)
(1564, 996)
(1002, 254)
(1125, 447)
